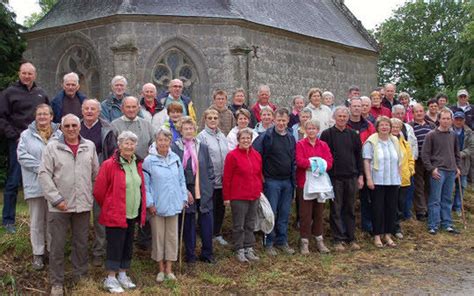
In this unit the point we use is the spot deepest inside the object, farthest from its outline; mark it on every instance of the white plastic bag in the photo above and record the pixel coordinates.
(265, 216)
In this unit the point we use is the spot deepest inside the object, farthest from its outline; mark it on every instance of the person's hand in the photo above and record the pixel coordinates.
(226, 203)
(190, 198)
(370, 184)
(62, 206)
(152, 210)
(435, 174)
(458, 173)
(360, 181)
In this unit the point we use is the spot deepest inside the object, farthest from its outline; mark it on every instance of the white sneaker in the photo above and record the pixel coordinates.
(113, 285)
(160, 277)
(171, 277)
(221, 240)
(126, 282)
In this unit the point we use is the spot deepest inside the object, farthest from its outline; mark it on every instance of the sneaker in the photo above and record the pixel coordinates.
(432, 231)
(286, 249)
(240, 256)
(171, 277)
(459, 214)
(57, 290)
(126, 282)
(250, 255)
(38, 262)
(10, 228)
(160, 277)
(452, 230)
(321, 246)
(304, 246)
(221, 240)
(271, 251)
(112, 285)
(97, 261)
(354, 246)
(399, 235)
(339, 247)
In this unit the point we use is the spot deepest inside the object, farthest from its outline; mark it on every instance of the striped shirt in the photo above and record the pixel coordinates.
(389, 171)
(421, 130)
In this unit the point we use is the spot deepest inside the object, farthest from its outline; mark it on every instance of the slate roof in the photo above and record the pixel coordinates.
(323, 19)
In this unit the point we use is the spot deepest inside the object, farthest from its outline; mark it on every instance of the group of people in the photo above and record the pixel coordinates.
(151, 162)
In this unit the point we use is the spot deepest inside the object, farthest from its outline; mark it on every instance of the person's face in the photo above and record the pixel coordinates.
(341, 119)
(43, 117)
(242, 121)
(356, 108)
(220, 101)
(70, 129)
(303, 117)
(315, 99)
(212, 121)
(70, 87)
(462, 100)
(267, 117)
(445, 120)
(263, 97)
(281, 122)
(245, 141)
(90, 111)
(396, 128)
(328, 100)
(390, 91)
(163, 144)
(299, 104)
(442, 102)
(366, 107)
(175, 116)
(27, 74)
(311, 131)
(176, 88)
(127, 148)
(149, 93)
(458, 122)
(119, 88)
(404, 101)
(399, 113)
(433, 108)
(418, 113)
(238, 99)
(354, 93)
(130, 108)
(188, 131)
(376, 100)
(384, 128)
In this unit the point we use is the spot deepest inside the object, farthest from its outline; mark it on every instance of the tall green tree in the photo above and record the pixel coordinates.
(45, 6)
(418, 43)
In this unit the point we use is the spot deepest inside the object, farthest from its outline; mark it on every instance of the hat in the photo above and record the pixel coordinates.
(459, 114)
(463, 92)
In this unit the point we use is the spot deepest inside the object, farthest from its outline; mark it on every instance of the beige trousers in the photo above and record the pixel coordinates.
(164, 238)
(39, 234)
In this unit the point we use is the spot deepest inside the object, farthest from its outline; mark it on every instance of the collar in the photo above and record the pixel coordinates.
(125, 118)
(95, 122)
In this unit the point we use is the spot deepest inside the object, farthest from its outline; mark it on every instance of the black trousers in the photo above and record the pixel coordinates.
(119, 246)
(384, 209)
(342, 214)
(402, 196)
(219, 211)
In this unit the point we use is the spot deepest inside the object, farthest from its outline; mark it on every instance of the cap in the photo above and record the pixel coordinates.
(463, 92)
(459, 114)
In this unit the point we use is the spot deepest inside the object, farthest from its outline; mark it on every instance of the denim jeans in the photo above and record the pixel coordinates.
(457, 195)
(409, 199)
(11, 185)
(280, 194)
(440, 202)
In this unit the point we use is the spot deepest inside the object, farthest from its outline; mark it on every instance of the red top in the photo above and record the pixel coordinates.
(256, 110)
(242, 179)
(304, 150)
(151, 108)
(376, 112)
(73, 148)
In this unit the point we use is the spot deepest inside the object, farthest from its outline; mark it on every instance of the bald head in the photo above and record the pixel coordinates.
(27, 74)
(149, 92)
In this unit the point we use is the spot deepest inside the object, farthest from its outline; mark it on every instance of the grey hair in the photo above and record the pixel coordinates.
(314, 122)
(245, 130)
(397, 107)
(127, 135)
(117, 79)
(263, 87)
(163, 132)
(396, 121)
(131, 97)
(340, 109)
(267, 109)
(149, 84)
(93, 100)
(327, 94)
(365, 99)
(307, 111)
(72, 116)
(71, 75)
(296, 98)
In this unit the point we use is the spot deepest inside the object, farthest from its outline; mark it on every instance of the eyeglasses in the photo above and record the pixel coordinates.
(212, 118)
(70, 125)
(177, 86)
(43, 114)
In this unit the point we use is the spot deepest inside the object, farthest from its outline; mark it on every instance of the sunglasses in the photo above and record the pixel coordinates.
(70, 125)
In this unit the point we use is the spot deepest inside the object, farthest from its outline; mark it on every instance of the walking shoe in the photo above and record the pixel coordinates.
(432, 231)
(250, 255)
(160, 277)
(112, 285)
(399, 235)
(221, 240)
(354, 246)
(271, 251)
(304, 246)
(57, 290)
(10, 228)
(126, 282)
(421, 217)
(171, 277)
(286, 249)
(97, 261)
(452, 230)
(240, 256)
(38, 262)
(459, 214)
(321, 246)
(339, 247)
(209, 260)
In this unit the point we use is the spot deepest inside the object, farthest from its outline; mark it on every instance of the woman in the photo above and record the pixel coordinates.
(328, 100)
(175, 112)
(243, 117)
(166, 196)
(217, 144)
(238, 102)
(382, 161)
(432, 114)
(242, 185)
(298, 128)
(407, 170)
(267, 115)
(120, 192)
(310, 211)
(199, 176)
(319, 111)
(377, 108)
(404, 99)
(30, 149)
(298, 105)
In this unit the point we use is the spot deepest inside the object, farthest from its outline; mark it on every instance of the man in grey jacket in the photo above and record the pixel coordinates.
(66, 174)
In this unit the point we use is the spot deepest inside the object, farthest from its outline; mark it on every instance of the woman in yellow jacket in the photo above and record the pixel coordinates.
(407, 171)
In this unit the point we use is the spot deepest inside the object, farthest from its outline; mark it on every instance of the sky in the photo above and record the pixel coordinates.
(369, 12)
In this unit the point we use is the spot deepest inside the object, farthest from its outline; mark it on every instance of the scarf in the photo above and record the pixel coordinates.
(374, 139)
(45, 133)
(190, 152)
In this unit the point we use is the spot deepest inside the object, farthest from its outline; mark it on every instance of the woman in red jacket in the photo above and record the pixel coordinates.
(242, 185)
(120, 192)
(311, 211)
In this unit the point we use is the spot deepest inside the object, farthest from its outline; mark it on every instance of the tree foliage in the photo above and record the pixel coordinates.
(426, 47)
(45, 6)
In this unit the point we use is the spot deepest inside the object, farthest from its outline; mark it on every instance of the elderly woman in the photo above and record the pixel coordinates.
(166, 196)
(404, 99)
(319, 111)
(199, 175)
(267, 115)
(175, 112)
(298, 129)
(238, 102)
(243, 117)
(407, 170)
(377, 108)
(30, 150)
(111, 107)
(328, 100)
(382, 165)
(217, 144)
(120, 192)
(298, 105)
(242, 185)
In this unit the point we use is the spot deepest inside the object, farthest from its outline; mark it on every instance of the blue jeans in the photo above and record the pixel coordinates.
(457, 195)
(280, 194)
(409, 199)
(11, 185)
(439, 202)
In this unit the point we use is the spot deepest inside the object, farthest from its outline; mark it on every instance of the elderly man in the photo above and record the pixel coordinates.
(389, 97)
(152, 109)
(263, 99)
(66, 174)
(101, 133)
(366, 106)
(346, 177)
(175, 94)
(111, 108)
(464, 106)
(17, 110)
(69, 99)
(130, 121)
(353, 92)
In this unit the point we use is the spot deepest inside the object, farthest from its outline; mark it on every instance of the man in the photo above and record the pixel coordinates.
(441, 158)
(263, 99)
(226, 117)
(389, 97)
(277, 147)
(354, 92)
(130, 121)
(346, 177)
(442, 100)
(366, 106)
(175, 94)
(111, 106)
(68, 100)
(238, 102)
(422, 176)
(101, 133)
(17, 110)
(464, 106)
(67, 174)
(433, 110)
(153, 111)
